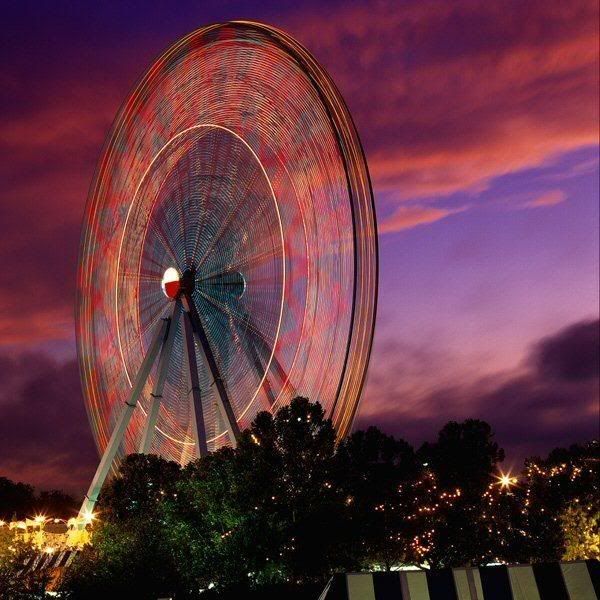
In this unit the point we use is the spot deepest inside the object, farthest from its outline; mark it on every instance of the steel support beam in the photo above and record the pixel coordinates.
(126, 412)
(259, 366)
(267, 352)
(223, 402)
(259, 342)
(198, 428)
(159, 385)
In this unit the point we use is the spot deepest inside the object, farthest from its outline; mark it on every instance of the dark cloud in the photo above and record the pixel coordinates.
(45, 438)
(572, 355)
(550, 400)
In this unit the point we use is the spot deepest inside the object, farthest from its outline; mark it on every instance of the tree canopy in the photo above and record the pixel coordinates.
(290, 506)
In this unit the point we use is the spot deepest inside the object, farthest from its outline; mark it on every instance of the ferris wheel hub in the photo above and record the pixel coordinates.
(171, 283)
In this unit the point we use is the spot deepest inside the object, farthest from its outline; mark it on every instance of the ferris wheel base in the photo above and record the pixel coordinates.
(161, 347)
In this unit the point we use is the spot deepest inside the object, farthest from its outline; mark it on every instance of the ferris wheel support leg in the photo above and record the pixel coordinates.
(119, 431)
(260, 370)
(198, 428)
(268, 353)
(223, 398)
(281, 373)
(163, 367)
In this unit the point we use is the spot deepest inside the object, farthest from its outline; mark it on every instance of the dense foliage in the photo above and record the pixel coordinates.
(289, 507)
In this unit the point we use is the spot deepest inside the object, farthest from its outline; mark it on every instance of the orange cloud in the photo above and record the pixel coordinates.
(407, 217)
(548, 199)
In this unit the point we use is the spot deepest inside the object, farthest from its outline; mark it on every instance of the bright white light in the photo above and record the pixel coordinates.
(505, 480)
(88, 516)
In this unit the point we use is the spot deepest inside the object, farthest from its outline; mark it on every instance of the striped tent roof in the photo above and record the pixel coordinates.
(54, 560)
(579, 580)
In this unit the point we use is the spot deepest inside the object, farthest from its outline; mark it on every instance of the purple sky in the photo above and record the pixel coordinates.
(480, 124)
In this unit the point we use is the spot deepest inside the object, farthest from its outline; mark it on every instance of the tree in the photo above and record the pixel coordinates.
(297, 447)
(465, 456)
(143, 481)
(459, 469)
(17, 500)
(130, 555)
(376, 471)
(581, 531)
(566, 478)
(271, 510)
(56, 503)
(15, 582)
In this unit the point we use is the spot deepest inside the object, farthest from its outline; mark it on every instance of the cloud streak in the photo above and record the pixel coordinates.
(45, 438)
(407, 217)
(548, 199)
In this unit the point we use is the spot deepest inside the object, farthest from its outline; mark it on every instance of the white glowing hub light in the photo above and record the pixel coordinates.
(171, 283)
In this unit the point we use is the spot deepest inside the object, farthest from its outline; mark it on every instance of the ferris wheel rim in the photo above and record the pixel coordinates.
(290, 47)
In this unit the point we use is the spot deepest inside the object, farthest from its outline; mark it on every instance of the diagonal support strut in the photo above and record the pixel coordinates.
(123, 421)
(159, 385)
(223, 402)
(198, 428)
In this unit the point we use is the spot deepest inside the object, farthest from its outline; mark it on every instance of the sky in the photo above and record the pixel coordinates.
(480, 126)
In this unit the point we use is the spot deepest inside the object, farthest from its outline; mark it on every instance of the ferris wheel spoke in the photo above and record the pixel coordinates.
(161, 237)
(257, 364)
(151, 261)
(144, 330)
(256, 259)
(236, 264)
(228, 311)
(211, 181)
(217, 238)
(229, 219)
(264, 345)
(148, 277)
(201, 227)
(154, 308)
(183, 228)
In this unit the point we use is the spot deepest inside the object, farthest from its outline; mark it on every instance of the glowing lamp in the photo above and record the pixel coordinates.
(505, 480)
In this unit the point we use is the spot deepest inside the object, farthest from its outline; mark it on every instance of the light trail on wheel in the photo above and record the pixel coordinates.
(230, 231)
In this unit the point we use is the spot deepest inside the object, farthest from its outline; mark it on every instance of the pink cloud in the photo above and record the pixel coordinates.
(407, 217)
(52, 145)
(548, 199)
(449, 96)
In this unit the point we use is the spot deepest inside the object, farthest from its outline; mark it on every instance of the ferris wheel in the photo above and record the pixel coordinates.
(228, 258)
